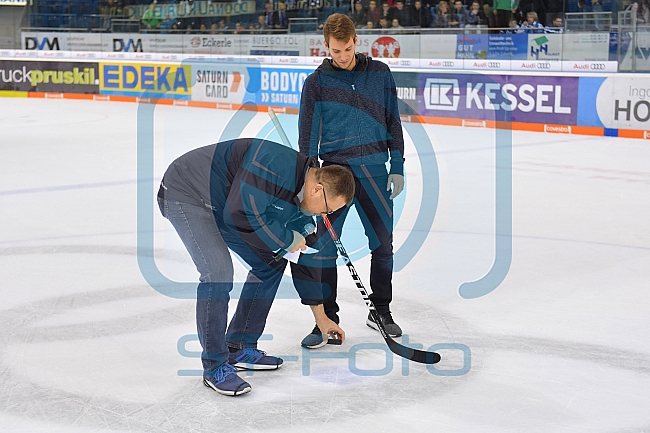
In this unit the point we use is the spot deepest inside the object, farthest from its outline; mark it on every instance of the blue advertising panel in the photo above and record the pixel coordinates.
(501, 46)
(531, 99)
(281, 86)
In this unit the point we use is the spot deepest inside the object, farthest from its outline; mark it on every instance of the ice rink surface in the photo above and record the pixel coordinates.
(561, 345)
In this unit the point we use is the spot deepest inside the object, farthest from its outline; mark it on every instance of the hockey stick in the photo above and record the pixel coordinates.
(401, 350)
(420, 356)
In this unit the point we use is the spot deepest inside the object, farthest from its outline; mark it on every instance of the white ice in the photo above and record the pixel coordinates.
(87, 345)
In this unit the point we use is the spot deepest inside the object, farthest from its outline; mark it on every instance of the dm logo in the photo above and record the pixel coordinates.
(539, 45)
(386, 47)
(34, 44)
(120, 45)
(441, 94)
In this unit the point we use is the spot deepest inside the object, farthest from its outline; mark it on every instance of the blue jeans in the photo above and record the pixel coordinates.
(375, 209)
(208, 246)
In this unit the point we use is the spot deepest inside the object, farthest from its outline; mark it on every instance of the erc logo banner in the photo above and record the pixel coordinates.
(197, 9)
(163, 80)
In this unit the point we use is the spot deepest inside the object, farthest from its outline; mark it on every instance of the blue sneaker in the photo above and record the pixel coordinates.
(225, 381)
(314, 340)
(253, 359)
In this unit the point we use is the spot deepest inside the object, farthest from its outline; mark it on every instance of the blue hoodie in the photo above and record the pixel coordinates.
(352, 117)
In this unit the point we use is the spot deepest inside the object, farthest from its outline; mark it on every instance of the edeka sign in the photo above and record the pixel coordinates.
(624, 102)
(537, 99)
(156, 79)
(197, 9)
(281, 86)
(499, 47)
(69, 77)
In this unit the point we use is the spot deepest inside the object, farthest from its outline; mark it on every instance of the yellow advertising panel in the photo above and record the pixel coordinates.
(134, 79)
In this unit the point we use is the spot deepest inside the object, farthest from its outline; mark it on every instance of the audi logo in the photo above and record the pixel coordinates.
(448, 64)
(494, 64)
(597, 66)
(544, 65)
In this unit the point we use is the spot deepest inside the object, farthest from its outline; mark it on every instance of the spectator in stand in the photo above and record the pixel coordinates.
(395, 24)
(489, 14)
(214, 29)
(554, 9)
(557, 26)
(458, 18)
(358, 15)
(383, 23)
(283, 20)
(421, 16)
(476, 16)
(261, 26)
(503, 10)
(386, 12)
(109, 9)
(642, 11)
(592, 6)
(441, 18)
(316, 8)
(513, 27)
(149, 18)
(402, 14)
(270, 16)
(532, 25)
(536, 6)
(373, 13)
(239, 28)
(222, 26)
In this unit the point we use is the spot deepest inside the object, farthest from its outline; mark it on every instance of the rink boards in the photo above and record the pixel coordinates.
(587, 102)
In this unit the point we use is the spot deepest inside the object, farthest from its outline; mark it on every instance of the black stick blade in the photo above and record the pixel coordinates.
(413, 354)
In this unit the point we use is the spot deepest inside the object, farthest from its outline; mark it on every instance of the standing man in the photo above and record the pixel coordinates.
(349, 117)
(256, 198)
(283, 22)
(503, 11)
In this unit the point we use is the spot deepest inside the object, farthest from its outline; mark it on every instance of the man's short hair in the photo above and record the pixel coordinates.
(340, 27)
(338, 181)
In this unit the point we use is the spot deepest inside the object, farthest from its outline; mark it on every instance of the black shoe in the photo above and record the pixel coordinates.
(390, 326)
(314, 340)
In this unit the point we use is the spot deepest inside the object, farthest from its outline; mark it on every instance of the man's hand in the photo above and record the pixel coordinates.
(331, 329)
(398, 184)
(325, 324)
(302, 245)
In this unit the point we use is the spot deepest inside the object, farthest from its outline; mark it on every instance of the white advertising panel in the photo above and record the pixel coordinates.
(438, 47)
(545, 46)
(218, 82)
(376, 46)
(13, 2)
(624, 102)
(57, 41)
(536, 65)
(592, 47)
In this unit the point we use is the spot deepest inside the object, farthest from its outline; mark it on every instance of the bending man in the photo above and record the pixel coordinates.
(257, 198)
